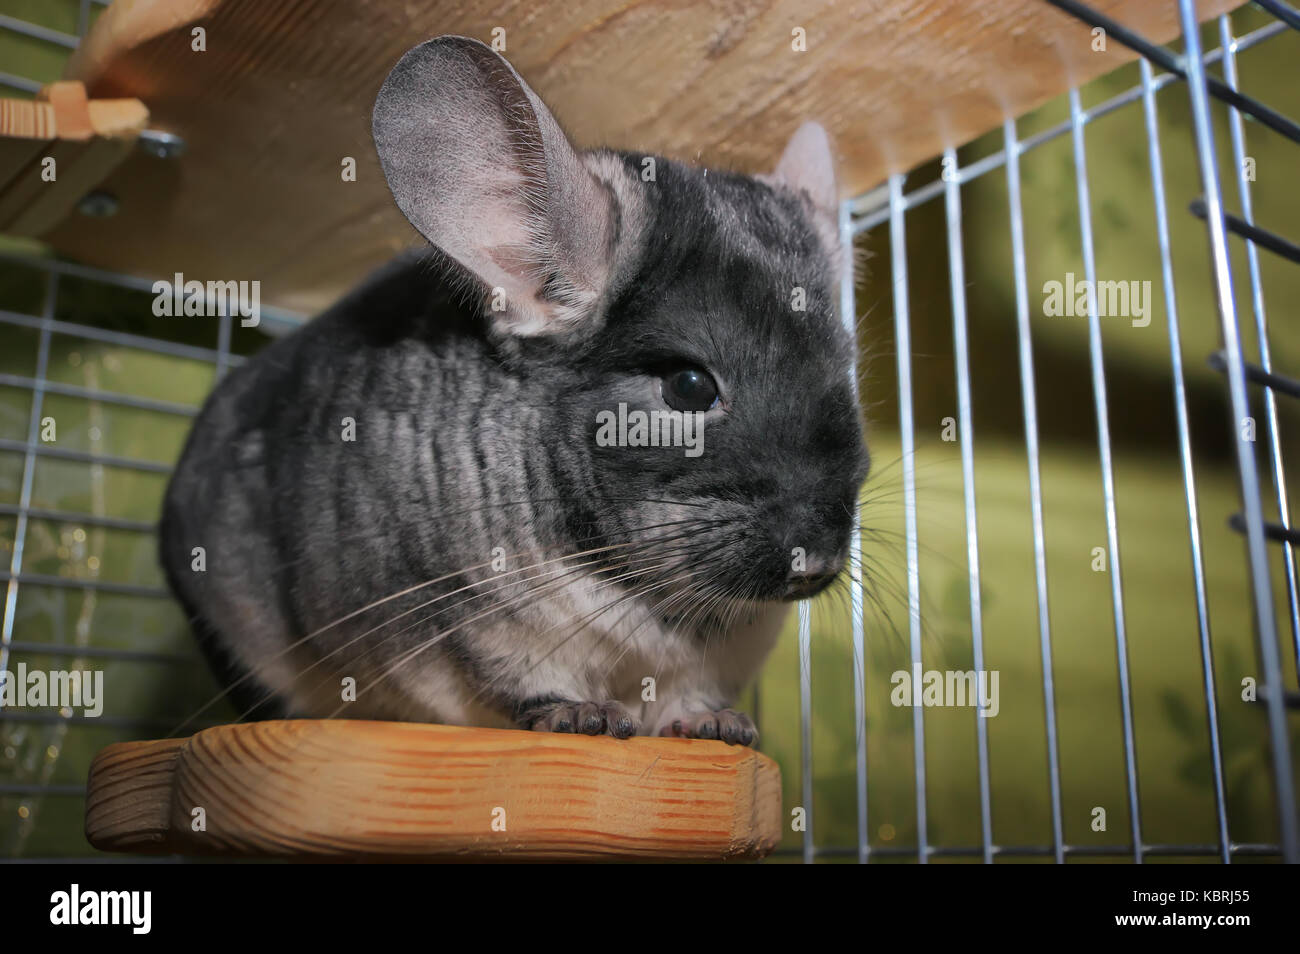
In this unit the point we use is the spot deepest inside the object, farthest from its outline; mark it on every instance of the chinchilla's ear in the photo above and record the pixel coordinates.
(481, 168)
(807, 166)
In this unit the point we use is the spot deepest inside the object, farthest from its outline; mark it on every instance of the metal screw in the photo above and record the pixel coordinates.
(162, 145)
(99, 204)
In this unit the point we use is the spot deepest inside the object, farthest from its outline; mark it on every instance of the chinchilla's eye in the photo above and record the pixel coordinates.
(689, 389)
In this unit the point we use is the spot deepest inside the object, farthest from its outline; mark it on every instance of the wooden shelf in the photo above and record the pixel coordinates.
(284, 92)
(320, 789)
(86, 139)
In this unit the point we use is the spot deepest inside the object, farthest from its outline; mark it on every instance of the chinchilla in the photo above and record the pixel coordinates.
(440, 500)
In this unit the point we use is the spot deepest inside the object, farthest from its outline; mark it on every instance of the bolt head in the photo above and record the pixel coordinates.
(99, 204)
(162, 145)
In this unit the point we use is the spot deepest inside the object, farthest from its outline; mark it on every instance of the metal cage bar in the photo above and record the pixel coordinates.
(29, 472)
(903, 339)
(966, 433)
(1237, 134)
(1185, 457)
(805, 727)
(1101, 407)
(1245, 453)
(856, 594)
(1029, 402)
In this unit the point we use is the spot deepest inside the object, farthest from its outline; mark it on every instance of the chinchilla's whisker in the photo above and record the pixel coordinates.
(884, 576)
(362, 534)
(624, 645)
(569, 572)
(433, 640)
(701, 597)
(697, 616)
(678, 579)
(342, 619)
(835, 603)
(739, 605)
(707, 611)
(895, 540)
(876, 599)
(743, 598)
(632, 597)
(253, 670)
(596, 614)
(528, 594)
(663, 650)
(878, 495)
(469, 599)
(552, 584)
(692, 599)
(658, 609)
(872, 571)
(479, 566)
(368, 532)
(662, 606)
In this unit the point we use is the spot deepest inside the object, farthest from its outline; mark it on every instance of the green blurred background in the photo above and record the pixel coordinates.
(149, 694)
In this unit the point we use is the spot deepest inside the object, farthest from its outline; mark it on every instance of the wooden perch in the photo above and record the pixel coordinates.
(86, 139)
(325, 789)
(279, 97)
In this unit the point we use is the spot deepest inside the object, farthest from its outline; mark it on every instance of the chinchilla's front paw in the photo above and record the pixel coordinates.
(584, 718)
(732, 727)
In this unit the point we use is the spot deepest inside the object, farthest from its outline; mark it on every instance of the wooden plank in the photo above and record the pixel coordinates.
(87, 139)
(336, 788)
(17, 156)
(27, 119)
(71, 109)
(128, 796)
(283, 93)
(32, 206)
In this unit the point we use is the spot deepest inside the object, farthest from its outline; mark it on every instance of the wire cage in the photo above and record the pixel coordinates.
(997, 555)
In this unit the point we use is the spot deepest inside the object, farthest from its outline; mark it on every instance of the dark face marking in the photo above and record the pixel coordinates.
(728, 263)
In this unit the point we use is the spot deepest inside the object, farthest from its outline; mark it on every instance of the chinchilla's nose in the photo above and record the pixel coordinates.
(810, 539)
(811, 575)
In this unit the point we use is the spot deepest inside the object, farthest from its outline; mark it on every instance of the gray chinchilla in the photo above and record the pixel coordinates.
(449, 498)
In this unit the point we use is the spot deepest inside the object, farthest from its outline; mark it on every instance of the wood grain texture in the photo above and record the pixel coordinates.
(349, 789)
(284, 91)
(128, 797)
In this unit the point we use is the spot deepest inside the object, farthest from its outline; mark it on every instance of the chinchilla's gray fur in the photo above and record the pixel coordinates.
(406, 497)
